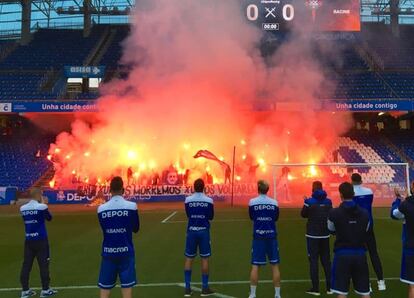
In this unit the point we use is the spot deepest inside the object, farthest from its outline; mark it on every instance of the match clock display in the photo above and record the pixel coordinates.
(315, 15)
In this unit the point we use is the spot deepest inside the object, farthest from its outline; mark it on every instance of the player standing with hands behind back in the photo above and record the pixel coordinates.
(118, 219)
(264, 212)
(200, 210)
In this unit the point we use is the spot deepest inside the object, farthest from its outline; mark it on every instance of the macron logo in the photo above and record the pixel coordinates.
(341, 11)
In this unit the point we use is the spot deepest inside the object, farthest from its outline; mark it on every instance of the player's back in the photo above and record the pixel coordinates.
(34, 215)
(264, 212)
(364, 198)
(351, 224)
(316, 210)
(200, 210)
(118, 219)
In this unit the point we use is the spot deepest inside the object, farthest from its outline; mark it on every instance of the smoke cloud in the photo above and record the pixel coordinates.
(199, 81)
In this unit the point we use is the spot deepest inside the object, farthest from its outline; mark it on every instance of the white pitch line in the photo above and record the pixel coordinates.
(169, 216)
(174, 284)
(199, 290)
(214, 220)
(248, 220)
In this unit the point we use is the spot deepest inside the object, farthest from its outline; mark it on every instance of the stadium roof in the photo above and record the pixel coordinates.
(61, 13)
(66, 13)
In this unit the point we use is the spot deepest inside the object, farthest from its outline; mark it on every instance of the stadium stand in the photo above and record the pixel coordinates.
(366, 148)
(401, 83)
(363, 85)
(404, 141)
(18, 161)
(69, 48)
(112, 56)
(15, 86)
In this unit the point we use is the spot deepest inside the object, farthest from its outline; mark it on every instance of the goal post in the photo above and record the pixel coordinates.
(292, 181)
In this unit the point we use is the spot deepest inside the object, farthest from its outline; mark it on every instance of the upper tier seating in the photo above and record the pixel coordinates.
(53, 48)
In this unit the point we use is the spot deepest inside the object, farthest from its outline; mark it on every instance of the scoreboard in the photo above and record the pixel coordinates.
(305, 15)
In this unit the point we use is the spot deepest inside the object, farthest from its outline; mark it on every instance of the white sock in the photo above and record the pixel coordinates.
(277, 291)
(253, 290)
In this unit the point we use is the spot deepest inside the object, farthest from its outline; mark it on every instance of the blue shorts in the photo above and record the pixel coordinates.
(263, 250)
(114, 266)
(407, 267)
(200, 240)
(347, 267)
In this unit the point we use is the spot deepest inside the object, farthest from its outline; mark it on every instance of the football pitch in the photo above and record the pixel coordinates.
(75, 240)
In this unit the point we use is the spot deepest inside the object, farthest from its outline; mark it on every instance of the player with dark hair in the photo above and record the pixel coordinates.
(350, 224)
(200, 211)
(364, 198)
(316, 210)
(118, 219)
(34, 214)
(264, 212)
(404, 210)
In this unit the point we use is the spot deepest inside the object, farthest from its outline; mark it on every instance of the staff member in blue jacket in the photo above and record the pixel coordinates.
(118, 219)
(34, 215)
(364, 197)
(316, 210)
(200, 211)
(404, 210)
(264, 212)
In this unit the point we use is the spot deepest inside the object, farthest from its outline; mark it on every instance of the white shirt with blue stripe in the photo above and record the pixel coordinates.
(364, 198)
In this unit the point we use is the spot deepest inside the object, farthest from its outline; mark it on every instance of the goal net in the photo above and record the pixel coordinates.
(292, 181)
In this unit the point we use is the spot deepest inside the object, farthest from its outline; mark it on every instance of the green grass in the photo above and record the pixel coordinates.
(75, 240)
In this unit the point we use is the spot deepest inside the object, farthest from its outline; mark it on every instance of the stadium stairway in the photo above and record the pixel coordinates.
(403, 144)
(372, 59)
(399, 151)
(97, 52)
(44, 180)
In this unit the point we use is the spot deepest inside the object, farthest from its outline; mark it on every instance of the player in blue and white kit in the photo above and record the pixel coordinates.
(364, 198)
(404, 210)
(35, 214)
(264, 212)
(118, 219)
(200, 210)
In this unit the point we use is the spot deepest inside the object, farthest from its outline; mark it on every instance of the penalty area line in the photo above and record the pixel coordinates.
(174, 284)
(169, 217)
